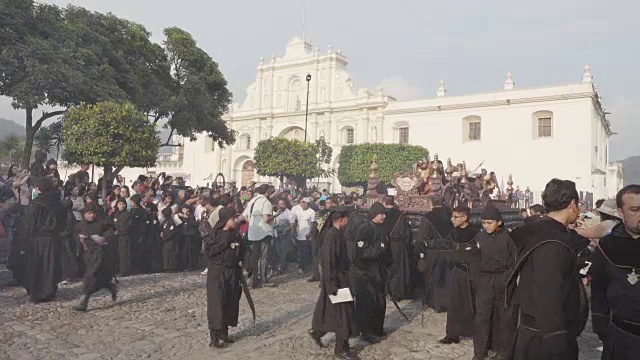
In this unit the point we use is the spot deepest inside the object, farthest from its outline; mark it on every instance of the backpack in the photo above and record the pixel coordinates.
(204, 228)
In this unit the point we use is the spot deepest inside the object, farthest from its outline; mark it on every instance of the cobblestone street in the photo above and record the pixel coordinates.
(163, 316)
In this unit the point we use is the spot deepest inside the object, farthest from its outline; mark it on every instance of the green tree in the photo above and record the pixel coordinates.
(285, 158)
(109, 135)
(41, 64)
(11, 145)
(325, 155)
(43, 140)
(198, 93)
(355, 160)
(64, 57)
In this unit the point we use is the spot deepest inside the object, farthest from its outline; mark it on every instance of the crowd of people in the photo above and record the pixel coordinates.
(516, 290)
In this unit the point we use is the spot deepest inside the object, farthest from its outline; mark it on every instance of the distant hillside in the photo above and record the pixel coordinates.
(8, 127)
(631, 168)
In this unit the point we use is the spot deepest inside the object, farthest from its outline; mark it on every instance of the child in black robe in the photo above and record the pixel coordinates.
(495, 324)
(191, 238)
(122, 223)
(169, 235)
(92, 234)
(151, 239)
(225, 250)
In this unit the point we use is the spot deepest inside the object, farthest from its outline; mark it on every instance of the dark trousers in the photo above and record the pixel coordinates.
(282, 244)
(259, 251)
(493, 322)
(315, 262)
(304, 254)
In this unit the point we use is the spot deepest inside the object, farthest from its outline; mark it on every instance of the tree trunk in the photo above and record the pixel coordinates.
(28, 139)
(107, 171)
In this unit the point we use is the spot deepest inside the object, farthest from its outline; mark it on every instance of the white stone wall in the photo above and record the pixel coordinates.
(509, 143)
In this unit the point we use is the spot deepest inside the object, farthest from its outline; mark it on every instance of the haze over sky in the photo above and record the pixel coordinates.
(407, 46)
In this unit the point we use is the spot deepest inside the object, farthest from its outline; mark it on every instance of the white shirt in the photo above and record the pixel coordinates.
(304, 218)
(197, 213)
(284, 218)
(258, 228)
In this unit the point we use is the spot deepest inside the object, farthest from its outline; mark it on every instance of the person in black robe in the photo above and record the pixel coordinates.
(224, 248)
(316, 242)
(70, 252)
(356, 219)
(461, 308)
(495, 324)
(439, 263)
(44, 220)
(170, 236)
(369, 270)
(37, 169)
(615, 278)
(122, 223)
(150, 239)
(549, 290)
(93, 232)
(191, 238)
(139, 248)
(335, 264)
(397, 230)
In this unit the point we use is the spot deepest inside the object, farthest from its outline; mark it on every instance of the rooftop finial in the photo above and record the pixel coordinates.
(441, 89)
(587, 78)
(508, 83)
(330, 50)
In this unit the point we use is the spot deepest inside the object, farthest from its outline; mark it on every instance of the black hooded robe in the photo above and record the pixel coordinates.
(549, 291)
(369, 272)
(225, 250)
(398, 232)
(70, 251)
(122, 241)
(615, 295)
(439, 262)
(99, 263)
(170, 236)
(461, 308)
(335, 264)
(44, 220)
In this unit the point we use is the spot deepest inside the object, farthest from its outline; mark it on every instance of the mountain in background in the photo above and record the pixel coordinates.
(631, 170)
(7, 127)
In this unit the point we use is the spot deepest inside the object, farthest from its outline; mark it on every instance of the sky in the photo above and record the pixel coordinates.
(408, 46)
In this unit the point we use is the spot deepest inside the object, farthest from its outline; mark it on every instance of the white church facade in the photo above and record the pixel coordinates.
(534, 134)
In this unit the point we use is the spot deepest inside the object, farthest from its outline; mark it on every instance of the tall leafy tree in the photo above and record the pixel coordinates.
(355, 161)
(41, 64)
(109, 135)
(65, 57)
(199, 96)
(285, 158)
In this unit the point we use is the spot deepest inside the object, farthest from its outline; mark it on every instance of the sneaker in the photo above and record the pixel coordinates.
(600, 348)
(205, 271)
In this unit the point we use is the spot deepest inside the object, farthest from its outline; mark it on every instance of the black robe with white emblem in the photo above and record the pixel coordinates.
(615, 295)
